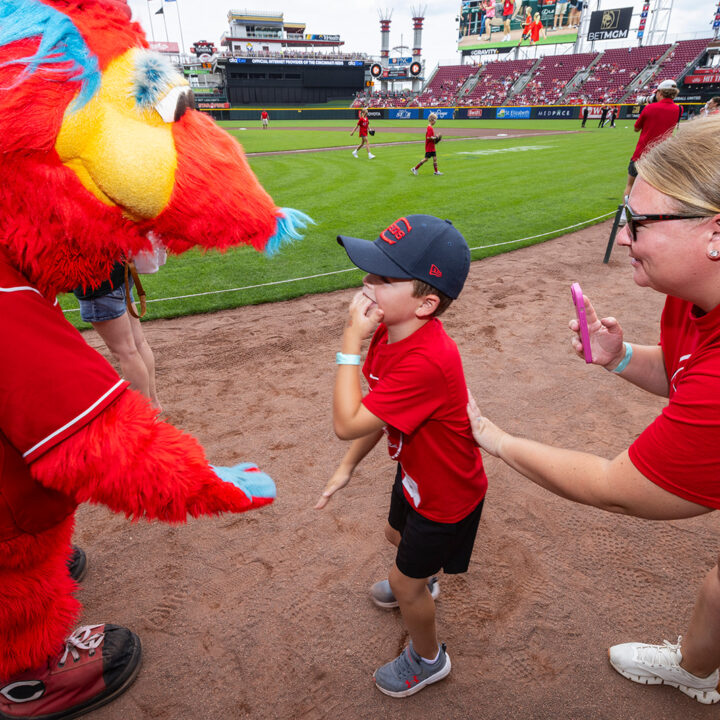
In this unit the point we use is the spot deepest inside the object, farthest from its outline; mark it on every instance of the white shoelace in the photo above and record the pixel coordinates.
(667, 655)
(81, 638)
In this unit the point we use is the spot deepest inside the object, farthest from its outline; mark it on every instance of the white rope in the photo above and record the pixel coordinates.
(338, 272)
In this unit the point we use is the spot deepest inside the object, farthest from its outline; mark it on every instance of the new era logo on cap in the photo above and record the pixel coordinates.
(416, 246)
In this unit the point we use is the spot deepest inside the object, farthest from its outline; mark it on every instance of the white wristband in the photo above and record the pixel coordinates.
(343, 359)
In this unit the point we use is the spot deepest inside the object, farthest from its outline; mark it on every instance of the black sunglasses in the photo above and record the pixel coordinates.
(634, 220)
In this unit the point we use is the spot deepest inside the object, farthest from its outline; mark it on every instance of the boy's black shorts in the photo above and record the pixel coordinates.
(429, 154)
(427, 546)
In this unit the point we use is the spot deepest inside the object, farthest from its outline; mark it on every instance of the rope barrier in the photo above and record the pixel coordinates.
(338, 272)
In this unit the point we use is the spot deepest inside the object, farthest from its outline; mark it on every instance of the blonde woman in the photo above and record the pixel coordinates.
(671, 470)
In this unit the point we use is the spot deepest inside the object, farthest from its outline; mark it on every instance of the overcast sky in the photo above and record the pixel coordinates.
(358, 25)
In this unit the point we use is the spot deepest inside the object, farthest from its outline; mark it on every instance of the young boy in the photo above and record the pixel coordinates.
(417, 398)
(431, 139)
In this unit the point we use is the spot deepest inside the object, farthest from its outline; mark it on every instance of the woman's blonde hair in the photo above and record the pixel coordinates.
(432, 116)
(686, 167)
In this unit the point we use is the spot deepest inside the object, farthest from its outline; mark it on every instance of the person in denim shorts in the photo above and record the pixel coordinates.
(105, 307)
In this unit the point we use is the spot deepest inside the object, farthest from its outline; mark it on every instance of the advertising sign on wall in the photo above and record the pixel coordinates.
(442, 113)
(610, 24)
(554, 112)
(513, 113)
(404, 114)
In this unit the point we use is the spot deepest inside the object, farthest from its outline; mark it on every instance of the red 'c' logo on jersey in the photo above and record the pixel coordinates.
(396, 231)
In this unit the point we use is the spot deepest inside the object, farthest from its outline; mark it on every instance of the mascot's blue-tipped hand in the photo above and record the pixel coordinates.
(289, 224)
(246, 476)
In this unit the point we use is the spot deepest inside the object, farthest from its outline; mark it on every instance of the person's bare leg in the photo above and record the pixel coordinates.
(418, 611)
(628, 187)
(147, 356)
(701, 643)
(117, 335)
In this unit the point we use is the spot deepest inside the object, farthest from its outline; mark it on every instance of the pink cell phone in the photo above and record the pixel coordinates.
(577, 297)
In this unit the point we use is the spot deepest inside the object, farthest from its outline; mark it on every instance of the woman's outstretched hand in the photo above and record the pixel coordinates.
(487, 435)
(606, 337)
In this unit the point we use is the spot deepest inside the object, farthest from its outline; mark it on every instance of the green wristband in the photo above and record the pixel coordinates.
(626, 358)
(343, 359)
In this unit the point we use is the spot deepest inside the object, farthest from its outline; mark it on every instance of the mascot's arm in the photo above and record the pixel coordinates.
(131, 462)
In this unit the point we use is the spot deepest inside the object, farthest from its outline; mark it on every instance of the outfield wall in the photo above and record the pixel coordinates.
(534, 112)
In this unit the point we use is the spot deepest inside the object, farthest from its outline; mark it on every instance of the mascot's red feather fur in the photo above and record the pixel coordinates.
(56, 232)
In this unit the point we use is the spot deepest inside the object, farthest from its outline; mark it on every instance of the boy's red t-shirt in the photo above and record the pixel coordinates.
(429, 144)
(535, 29)
(679, 450)
(417, 386)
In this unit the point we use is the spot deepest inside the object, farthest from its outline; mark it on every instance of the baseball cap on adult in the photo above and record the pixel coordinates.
(416, 246)
(667, 85)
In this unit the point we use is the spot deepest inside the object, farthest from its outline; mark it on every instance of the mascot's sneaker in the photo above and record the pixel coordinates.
(660, 665)
(77, 564)
(408, 673)
(99, 663)
(383, 597)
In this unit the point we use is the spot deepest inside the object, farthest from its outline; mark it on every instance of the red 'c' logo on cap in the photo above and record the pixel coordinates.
(396, 231)
(435, 270)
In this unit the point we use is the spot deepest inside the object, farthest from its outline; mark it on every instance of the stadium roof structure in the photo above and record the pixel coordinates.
(270, 26)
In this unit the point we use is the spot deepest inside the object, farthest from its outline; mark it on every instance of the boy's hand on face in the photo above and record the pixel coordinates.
(364, 316)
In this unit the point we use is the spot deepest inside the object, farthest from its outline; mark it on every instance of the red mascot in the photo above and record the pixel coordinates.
(99, 145)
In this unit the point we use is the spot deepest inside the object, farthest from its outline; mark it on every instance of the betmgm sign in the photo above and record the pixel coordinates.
(610, 24)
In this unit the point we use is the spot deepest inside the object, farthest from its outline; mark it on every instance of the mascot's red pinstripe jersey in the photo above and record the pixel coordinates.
(99, 145)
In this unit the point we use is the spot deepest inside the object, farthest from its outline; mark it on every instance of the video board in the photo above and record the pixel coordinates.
(505, 24)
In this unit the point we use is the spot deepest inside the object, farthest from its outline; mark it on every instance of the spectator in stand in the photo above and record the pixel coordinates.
(362, 125)
(536, 28)
(508, 12)
(265, 119)
(656, 122)
(560, 10)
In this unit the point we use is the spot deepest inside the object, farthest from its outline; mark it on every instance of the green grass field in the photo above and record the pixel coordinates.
(495, 191)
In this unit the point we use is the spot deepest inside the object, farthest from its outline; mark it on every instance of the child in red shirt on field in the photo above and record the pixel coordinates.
(417, 399)
(265, 117)
(535, 29)
(431, 140)
(362, 125)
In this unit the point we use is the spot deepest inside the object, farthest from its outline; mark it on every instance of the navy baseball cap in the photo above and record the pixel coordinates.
(422, 247)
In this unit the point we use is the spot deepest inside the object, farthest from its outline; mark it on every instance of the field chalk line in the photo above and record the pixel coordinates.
(338, 272)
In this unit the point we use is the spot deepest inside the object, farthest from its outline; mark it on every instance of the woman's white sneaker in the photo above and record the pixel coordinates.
(660, 665)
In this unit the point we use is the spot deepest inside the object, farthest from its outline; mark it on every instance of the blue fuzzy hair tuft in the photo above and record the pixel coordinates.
(153, 77)
(60, 43)
(289, 223)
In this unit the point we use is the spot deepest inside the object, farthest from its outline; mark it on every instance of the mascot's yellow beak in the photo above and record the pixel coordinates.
(120, 144)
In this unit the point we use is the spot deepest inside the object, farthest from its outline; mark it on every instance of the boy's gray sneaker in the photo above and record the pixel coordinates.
(409, 673)
(383, 597)
(660, 665)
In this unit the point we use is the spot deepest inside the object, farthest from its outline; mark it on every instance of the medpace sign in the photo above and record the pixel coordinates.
(554, 113)
(610, 24)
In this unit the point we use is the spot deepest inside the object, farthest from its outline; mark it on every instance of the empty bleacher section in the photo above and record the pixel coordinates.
(495, 81)
(548, 82)
(445, 84)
